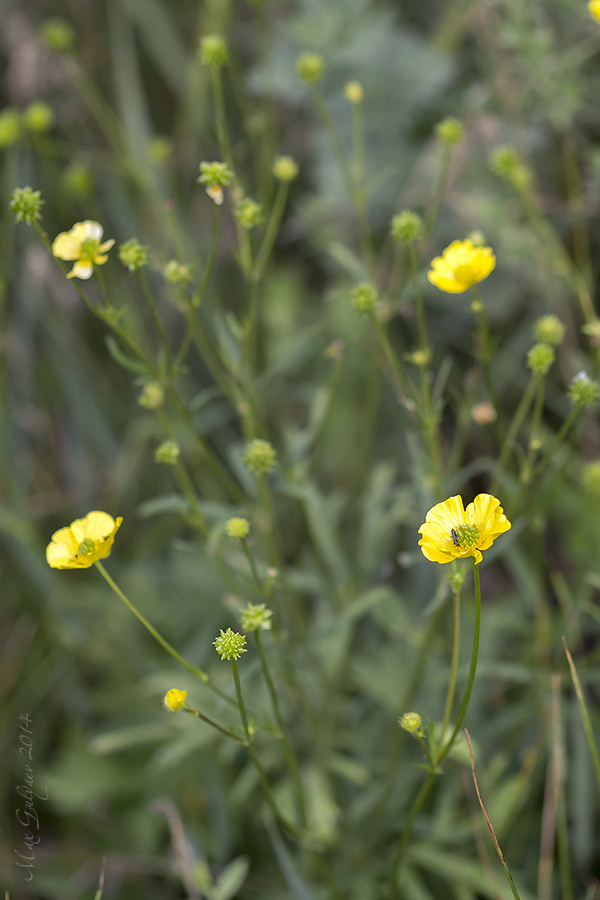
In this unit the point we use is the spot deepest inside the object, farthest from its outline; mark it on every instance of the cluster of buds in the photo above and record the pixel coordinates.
(583, 391)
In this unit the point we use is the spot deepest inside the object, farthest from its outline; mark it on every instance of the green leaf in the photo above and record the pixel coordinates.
(128, 362)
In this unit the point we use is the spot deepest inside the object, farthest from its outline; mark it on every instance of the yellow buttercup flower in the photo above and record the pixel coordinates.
(83, 542)
(82, 243)
(460, 266)
(174, 699)
(452, 532)
(594, 9)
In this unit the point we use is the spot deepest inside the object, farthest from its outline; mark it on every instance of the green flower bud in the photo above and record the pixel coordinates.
(507, 163)
(177, 273)
(256, 617)
(592, 329)
(26, 205)
(230, 644)
(249, 213)
(213, 50)
(411, 722)
(477, 238)
(152, 396)
(364, 297)
(10, 127)
(168, 453)
(549, 330)
(38, 117)
(450, 131)
(583, 391)
(406, 227)
(215, 173)
(133, 255)
(78, 181)
(237, 527)
(354, 93)
(590, 478)
(310, 67)
(540, 358)
(58, 35)
(260, 456)
(285, 168)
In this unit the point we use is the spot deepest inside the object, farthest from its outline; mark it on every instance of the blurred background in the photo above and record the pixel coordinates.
(105, 108)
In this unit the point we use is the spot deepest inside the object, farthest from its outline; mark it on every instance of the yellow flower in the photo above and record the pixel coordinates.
(83, 542)
(460, 266)
(174, 699)
(594, 9)
(452, 532)
(82, 243)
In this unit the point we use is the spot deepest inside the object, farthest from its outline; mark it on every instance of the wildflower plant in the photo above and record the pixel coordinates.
(232, 332)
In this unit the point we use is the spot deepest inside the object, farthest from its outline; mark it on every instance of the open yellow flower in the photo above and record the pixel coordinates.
(83, 542)
(460, 266)
(82, 243)
(452, 532)
(594, 9)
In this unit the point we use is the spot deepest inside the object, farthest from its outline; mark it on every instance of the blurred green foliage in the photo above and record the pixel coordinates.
(129, 116)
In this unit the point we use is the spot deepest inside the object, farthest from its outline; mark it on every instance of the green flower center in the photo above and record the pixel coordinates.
(87, 546)
(89, 248)
(467, 535)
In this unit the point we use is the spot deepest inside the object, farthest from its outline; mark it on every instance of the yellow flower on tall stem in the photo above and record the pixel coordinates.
(83, 542)
(594, 9)
(82, 243)
(460, 266)
(452, 532)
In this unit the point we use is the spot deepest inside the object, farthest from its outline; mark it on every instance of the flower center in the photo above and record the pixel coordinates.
(466, 535)
(89, 248)
(87, 546)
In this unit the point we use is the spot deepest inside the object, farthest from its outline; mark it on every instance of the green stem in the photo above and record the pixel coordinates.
(256, 762)
(257, 580)
(440, 190)
(222, 134)
(453, 668)
(513, 430)
(158, 637)
(414, 812)
(152, 306)
(197, 299)
(534, 434)
(271, 229)
(467, 697)
(195, 712)
(288, 752)
(562, 433)
(406, 389)
(585, 716)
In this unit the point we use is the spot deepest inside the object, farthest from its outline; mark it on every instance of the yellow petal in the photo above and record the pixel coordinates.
(105, 246)
(89, 230)
(594, 9)
(65, 246)
(97, 526)
(82, 269)
(488, 515)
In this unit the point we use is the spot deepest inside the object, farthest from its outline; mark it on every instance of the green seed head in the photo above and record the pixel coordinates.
(213, 51)
(10, 127)
(310, 67)
(249, 213)
(237, 527)
(467, 535)
(450, 131)
(230, 644)
(406, 227)
(152, 396)
(38, 117)
(58, 35)
(285, 168)
(26, 205)
(590, 478)
(507, 163)
(134, 255)
(168, 453)
(354, 93)
(215, 173)
(540, 358)
(364, 298)
(549, 330)
(256, 617)
(260, 456)
(177, 273)
(583, 391)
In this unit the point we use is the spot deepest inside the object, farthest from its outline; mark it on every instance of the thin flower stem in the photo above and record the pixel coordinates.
(453, 668)
(585, 716)
(513, 430)
(158, 637)
(257, 580)
(154, 311)
(195, 712)
(489, 824)
(288, 752)
(562, 433)
(212, 255)
(440, 191)
(256, 762)
(467, 697)
(271, 230)
(534, 434)
(414, 812)
(406, 389)
(222, 134)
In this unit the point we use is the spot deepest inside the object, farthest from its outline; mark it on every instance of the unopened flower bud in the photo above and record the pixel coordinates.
(449, 131)
(260, 456)
(406, 227)
(590, 478)
(364, 297)
(249, 213)
(285, 168)
(310, 67)
(152, 396)
(10, 127)
(213, 50)
(215, 173)
(549, 330)
(177, 273)
(411, 722)
(540, 358)
(237, 527)
(58, 35)
(174, 699)
(38, 117)
(583, 391)
(484, 413)
(353, 92)
(168, 453)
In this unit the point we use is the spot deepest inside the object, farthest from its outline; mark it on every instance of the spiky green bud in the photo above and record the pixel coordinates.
(583, 391)
(177, 273)
(411, 722)
(230, 644)
(260, 456)
(364, 298)
(406, 227)
(540, 358)
(249, 213)
(285, 168)
(215, 173)
(58, 35)
(168, 453)
(213, 50)
(26, 205)
(237, 527)
(549, 330)
(256, 617)
(152, 396)
(133, 254)
(310, 67)
(450, 131)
